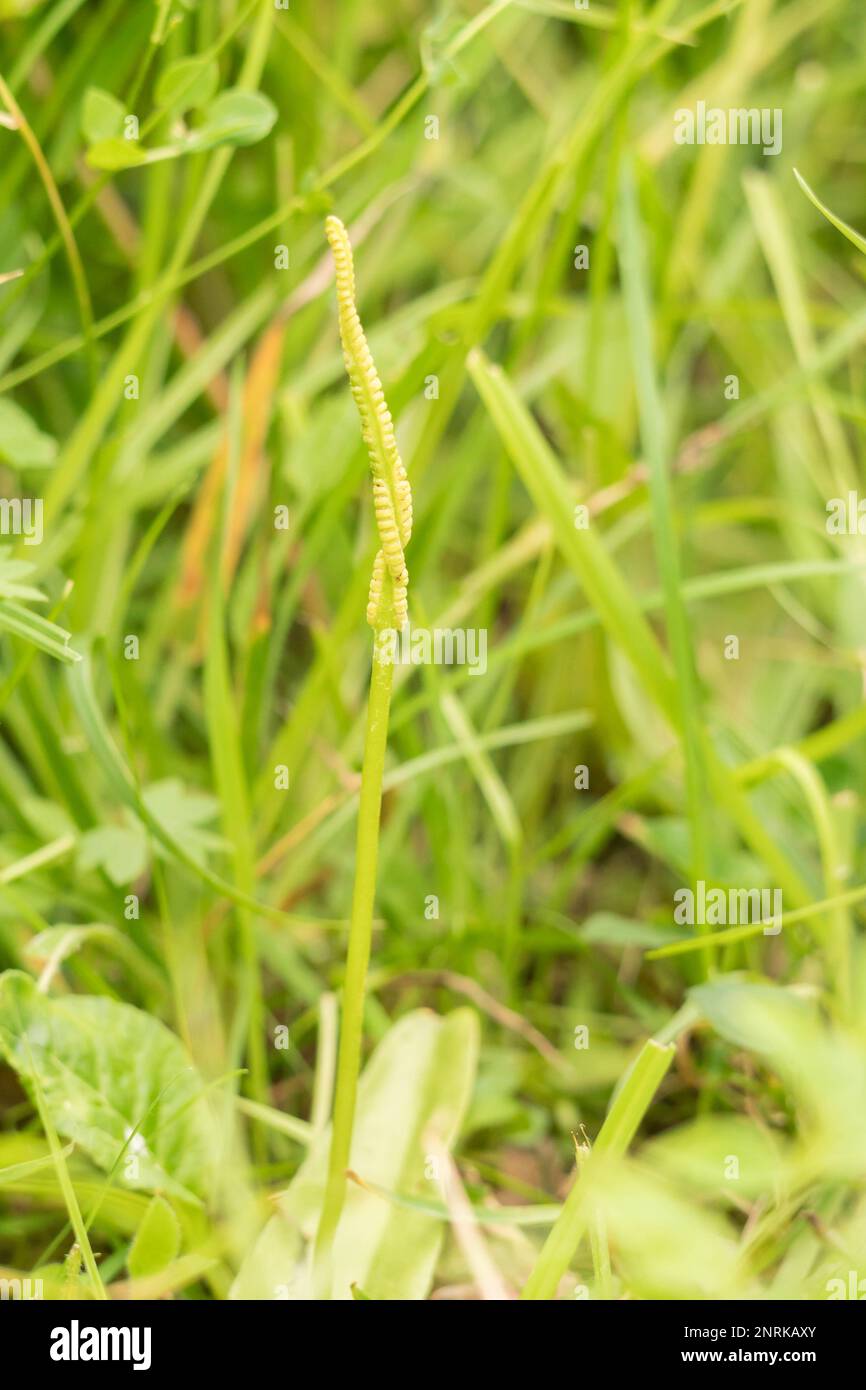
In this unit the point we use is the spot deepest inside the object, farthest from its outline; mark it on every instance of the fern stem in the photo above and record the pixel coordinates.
(386, 610)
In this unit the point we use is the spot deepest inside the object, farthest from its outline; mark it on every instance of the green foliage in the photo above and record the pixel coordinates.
(411, 1100)
(625, 377)
(157, 1240)
(102, 116)
(187, 84)
(22, 443)
(235, 117)
(114, 1081)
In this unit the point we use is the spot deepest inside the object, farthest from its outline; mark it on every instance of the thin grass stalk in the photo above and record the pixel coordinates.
(623, 1118)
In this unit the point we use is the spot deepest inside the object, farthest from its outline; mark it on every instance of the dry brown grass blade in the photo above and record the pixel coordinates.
(258, 397)
(261, 386)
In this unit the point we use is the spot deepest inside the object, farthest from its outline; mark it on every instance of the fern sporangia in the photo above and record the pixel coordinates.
(392, 495)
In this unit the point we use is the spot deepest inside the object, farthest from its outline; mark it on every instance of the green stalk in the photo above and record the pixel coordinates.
(357, 960)
(79, 278)
(653, 432)
(58, 1154)
(851, 898)
(598, 1242)
(386, 612)
(840, 931)
(628, 1109)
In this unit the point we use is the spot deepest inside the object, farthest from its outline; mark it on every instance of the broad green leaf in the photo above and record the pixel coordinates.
(187, 84)
(655, 1231)
(184, 814)
(277, 1265)
(22, 443)
(758, 1016)
(157, 1240)
(102, 116)
(117, 153)
(120, 851)
(49, 820)
(823, 1067)
(113, 1080)
(235, 117)
(728, 1155)
(416, 1084)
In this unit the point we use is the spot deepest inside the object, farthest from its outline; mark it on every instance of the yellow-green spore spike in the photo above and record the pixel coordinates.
(392, 495)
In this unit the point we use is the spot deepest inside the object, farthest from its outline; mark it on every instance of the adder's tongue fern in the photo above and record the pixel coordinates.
(392, 495)
(386, 608)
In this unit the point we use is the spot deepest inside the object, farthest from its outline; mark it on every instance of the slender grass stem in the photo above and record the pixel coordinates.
(357, 960)
(79, 278)
(58, 1155)
(626, 1112)
(598, 1242)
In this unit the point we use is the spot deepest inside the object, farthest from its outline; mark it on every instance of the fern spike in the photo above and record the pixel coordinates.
(392, 501)
(392, 495)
